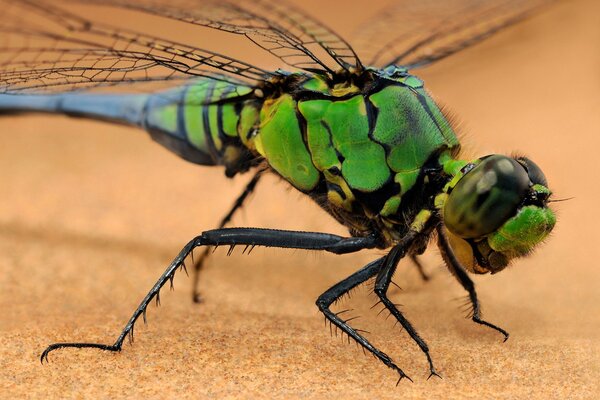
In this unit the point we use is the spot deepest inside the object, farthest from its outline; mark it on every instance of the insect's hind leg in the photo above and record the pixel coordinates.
(335, 292)
(382, 284)
(231, 237)
(239, 202)
(461, 275)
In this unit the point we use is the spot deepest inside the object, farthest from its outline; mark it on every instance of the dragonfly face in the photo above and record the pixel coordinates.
(497, 210)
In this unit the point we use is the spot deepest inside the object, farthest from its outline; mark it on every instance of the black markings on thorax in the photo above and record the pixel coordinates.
(427, 109)
(374, 201)
(372, 115)
(339, 155)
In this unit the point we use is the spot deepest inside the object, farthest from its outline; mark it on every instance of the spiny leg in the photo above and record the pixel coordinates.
(461, 275)
(340, 289)
(169, 274)
(239, 202)
(231, 237)
(419, 266)
(382, 284)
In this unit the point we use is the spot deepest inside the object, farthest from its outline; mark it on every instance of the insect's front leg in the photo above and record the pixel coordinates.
(463, 278)
(340, 289)
(239, 202)
(382, 284)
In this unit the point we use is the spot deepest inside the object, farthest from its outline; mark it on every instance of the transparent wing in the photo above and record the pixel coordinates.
(45, 48)
(283, 30)
(416, 33)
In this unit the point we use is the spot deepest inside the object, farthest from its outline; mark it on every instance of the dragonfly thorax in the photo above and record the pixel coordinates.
(362, 151)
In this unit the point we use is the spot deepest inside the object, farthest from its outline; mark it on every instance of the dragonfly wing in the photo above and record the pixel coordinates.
(279, 28)
(417, 33)
(310, 31)
(45, 48)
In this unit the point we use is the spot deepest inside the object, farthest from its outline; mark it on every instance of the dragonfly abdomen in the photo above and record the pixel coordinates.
(126, 109)
(132, 109)
(206, 123)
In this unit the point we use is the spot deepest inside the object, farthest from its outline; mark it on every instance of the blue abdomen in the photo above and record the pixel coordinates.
(203, 122)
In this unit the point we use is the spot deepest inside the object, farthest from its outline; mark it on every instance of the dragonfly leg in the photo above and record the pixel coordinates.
(463, 278)
(231, 237)
(239, 202)
(335, 292)
(382, 284)
(419, 267)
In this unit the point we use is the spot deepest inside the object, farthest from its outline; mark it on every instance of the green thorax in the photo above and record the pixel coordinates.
(362, 148)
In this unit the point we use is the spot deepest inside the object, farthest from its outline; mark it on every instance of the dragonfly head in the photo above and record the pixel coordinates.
(496, 210)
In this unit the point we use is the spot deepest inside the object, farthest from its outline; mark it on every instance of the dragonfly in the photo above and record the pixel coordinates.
(350, 127)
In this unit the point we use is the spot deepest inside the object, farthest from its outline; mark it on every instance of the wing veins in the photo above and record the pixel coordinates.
(428, 31)
(173, 56)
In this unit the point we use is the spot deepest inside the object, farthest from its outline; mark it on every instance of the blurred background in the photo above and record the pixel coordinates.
(91, 214)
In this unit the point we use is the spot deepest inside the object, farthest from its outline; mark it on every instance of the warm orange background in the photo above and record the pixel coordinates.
(90, 214)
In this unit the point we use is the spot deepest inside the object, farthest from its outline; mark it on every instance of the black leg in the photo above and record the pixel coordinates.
(239, 202)
(335, 292)
(461, 275)
(232, 237)
(419, 266)
(382, 284)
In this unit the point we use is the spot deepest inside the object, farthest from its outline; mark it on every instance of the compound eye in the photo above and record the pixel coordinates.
(486, 197)
(535, 173)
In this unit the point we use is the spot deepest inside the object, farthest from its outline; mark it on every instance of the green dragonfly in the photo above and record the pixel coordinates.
(353, 130)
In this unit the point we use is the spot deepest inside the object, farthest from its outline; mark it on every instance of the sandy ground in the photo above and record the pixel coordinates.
(90, 214)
